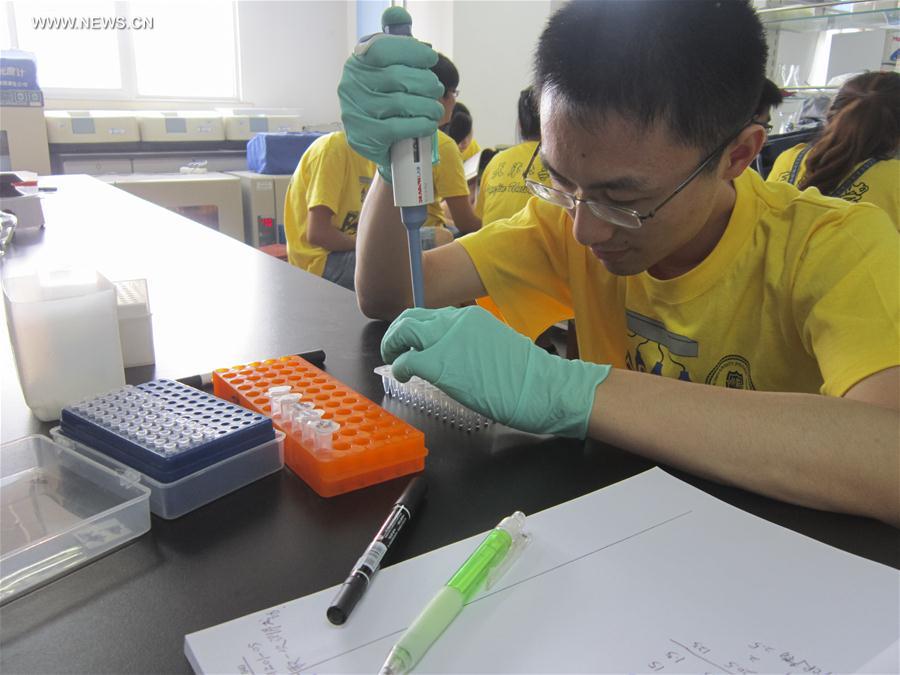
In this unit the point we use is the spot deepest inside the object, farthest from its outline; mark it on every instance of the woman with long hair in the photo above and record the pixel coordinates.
(855, 157)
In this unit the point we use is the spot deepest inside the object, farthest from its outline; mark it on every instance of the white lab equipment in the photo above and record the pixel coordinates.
(64, 331)
(80, 127)
(180, 126)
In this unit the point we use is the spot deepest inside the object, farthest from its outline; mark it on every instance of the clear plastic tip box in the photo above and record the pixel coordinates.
(348, 443)
(187, 446)
(60, 510)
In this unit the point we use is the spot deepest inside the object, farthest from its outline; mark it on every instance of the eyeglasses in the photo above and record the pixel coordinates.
(617, 215)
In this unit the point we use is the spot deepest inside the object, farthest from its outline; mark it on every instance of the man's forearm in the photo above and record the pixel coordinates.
(332, 239)
(817, 451)
(382, 258)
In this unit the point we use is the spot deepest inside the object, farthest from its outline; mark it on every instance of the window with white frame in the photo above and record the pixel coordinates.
(128, 50)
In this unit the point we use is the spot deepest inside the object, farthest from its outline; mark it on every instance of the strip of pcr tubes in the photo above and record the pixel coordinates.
(427, 398)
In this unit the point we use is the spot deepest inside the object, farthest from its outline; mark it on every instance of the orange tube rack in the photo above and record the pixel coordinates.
(371, 446)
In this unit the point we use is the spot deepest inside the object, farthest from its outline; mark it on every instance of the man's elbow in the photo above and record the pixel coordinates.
(375, 308)
(317, 238)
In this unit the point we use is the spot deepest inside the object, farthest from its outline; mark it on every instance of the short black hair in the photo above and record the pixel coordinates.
(771, 96)
(446, 73)
(529, 115)
(460, 124)
(695, 65)
(459, 107)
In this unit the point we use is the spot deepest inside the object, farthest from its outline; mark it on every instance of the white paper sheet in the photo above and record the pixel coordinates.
(647, 575)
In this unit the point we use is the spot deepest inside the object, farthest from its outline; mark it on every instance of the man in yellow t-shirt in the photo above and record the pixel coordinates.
(772, 269)
(503, 192)
(879, 184)
(322, 208)
(675, 258)
(450, 185)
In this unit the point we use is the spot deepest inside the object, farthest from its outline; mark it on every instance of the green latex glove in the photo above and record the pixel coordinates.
(488, 367)
(388, 94)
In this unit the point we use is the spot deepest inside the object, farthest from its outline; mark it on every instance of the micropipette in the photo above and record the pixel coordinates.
(411, 172)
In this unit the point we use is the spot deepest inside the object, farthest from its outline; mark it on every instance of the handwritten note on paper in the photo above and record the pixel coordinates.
(673, 581)
(757, 657)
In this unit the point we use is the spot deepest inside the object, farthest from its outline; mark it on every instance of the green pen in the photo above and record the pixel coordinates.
(484, 567)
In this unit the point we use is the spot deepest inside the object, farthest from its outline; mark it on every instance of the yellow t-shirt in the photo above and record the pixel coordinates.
(879, 184)
(799, 294)
(503, 192)
(329, 174)
(471, 150)
(449, 179)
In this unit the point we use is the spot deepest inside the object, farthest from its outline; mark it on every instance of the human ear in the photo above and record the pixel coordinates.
(742, 151)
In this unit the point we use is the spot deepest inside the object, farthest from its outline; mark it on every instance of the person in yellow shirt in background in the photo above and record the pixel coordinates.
(855, 158)
(768, 316)
(461, 129)
(503, 192)
(322, 206)
(450, 185)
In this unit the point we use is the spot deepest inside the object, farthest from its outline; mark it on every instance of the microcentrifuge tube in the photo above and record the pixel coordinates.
(311, 417)
(298, 414)
(274, 394)
(324, 431)
(286, 404)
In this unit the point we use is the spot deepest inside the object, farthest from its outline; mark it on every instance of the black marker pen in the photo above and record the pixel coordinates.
(366, 567)
(317, 358)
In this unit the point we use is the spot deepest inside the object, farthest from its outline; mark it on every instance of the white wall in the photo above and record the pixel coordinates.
(853, 52)
(292, 54)
(492, 43)
(433, 23)
(493, 47)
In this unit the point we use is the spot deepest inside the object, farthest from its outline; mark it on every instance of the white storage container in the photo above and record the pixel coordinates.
(65, 336)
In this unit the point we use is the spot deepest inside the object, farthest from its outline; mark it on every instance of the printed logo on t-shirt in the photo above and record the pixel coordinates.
(732, 372)
(364, 184)
(855, 192)
(656, 348)
(351, 221)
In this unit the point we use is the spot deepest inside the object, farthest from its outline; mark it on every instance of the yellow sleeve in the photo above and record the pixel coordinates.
(846, 297)
(781, 169)
(523, 264)
(449, 176)
(327, 174)
(471, 150)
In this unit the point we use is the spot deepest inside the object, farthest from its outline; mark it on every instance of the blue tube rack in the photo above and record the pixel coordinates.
(165, 429)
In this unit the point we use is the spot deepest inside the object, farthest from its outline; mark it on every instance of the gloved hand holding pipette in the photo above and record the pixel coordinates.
(390, 111)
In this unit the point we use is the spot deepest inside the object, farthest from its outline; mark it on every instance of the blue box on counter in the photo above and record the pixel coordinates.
(278, 153)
